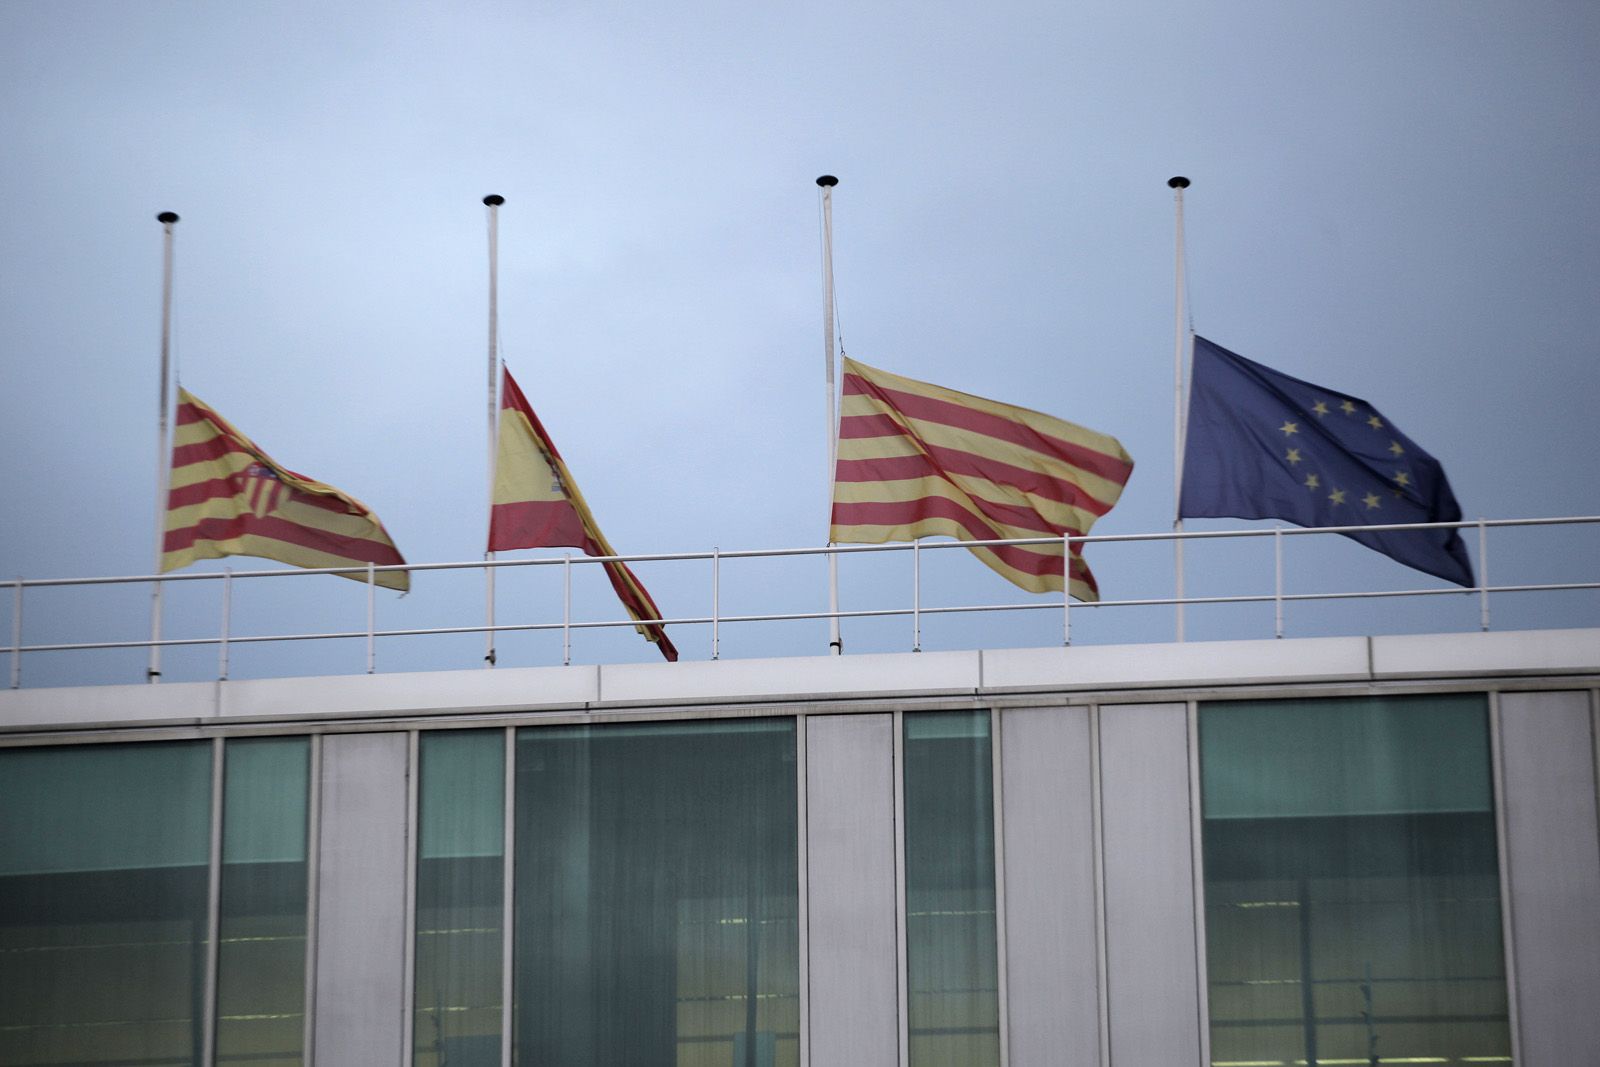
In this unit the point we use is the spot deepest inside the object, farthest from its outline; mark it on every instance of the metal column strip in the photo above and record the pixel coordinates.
(208, 1022)
(996, 800)
(508, 889)
(803, 908)
(408, 1000)
(1502, 845)
(901, 975)
(1096, 815)
(313, 873)
(1197, 852)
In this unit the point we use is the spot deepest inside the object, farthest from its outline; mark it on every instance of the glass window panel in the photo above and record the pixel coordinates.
(951, 953)
(1352, 881)
(656, 895)
(261, 951)
(103, 879)
(460, 898)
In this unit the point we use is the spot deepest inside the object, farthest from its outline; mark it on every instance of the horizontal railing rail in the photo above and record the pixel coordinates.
(224, 639)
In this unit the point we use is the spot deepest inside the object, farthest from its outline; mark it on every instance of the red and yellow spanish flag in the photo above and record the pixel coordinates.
(229, 498)
(917, 460)
(537, 504)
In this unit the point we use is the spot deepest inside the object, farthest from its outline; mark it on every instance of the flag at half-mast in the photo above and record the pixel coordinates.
(916, 460)
(537, 504)
(226, 497)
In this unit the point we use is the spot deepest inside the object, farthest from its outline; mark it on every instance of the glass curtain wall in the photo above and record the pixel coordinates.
(951, 951)
(103, 917)
(460, 898)
(1352, 885)
(656, 895)
(261, 945)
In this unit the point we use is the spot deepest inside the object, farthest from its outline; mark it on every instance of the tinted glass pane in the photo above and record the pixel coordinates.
(262, 945)
(656, 903)
(951, 955)
(1351, 882)
(103, 875)
(460, 897)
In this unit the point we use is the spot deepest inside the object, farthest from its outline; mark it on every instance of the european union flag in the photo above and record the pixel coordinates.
(1263, 445)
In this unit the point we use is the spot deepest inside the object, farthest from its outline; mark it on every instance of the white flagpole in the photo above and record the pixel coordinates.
(492, 202)
(1178, 185)
(163, 454)
(826, 184)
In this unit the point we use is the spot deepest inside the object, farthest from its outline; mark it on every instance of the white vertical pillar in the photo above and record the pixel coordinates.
(1552, 842)
(361, 899)
(852, 901)
(1052, 976)
(1151, 959)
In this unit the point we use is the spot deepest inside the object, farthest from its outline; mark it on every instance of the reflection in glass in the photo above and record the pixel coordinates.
(951, 953)
(656, 895)
(1352, 882)
(460, 897)
(261, 962)
(103, 879)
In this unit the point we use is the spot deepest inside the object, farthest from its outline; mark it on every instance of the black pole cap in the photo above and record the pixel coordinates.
(494, 200)
(168, 217)
(1178, 182)
(827, 181)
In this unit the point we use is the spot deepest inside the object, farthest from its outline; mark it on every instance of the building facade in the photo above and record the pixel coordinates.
(1246, 854)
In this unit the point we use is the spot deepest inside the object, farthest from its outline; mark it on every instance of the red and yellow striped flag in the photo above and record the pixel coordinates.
(917, 460)
(229, 498)
(537, 504)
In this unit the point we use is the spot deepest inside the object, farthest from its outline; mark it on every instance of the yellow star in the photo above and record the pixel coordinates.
(1375, 422)
(1337, 496)
(1320, 407)
(1293, 457)
(1290, 427)
(1394, 446)
(1402, 478)
(1313, 482)
(1371, 500)
(1348, 408)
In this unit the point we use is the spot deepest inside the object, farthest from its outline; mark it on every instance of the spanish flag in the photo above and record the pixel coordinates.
(537, 504)
(916, 460)
(229, 498)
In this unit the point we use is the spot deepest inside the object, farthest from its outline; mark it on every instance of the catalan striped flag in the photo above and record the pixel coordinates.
(229, 498)
(916, 460)
(537, 504)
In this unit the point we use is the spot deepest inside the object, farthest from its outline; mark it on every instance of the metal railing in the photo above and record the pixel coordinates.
(226, 639)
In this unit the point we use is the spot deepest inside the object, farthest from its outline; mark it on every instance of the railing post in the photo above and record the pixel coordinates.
(1066, 590)
(1483, 575)
(372, 612)
(227, 621)
(916, 596)
(16, 634)
(566, 610)
(716, 600)
(152, 672)
(1277, 581)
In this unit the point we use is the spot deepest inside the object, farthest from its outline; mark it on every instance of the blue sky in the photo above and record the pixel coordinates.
(1393, 200)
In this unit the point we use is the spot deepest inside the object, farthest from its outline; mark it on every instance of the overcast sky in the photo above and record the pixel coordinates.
(1395, 200)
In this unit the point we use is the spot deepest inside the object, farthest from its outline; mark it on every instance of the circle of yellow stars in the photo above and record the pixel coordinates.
(1313, 482)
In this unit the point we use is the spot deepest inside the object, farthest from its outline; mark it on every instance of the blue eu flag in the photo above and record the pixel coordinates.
(1263, 445)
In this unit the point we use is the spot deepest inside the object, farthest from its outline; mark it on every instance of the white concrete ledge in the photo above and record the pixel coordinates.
(1173, 668)
(483, 691)
(1474, 655)
(1201, 663)
(797, 678)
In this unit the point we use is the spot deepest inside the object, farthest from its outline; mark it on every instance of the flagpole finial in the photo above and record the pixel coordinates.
(167, 217)
(827, 181)
(1178, 182)
(494, 200)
